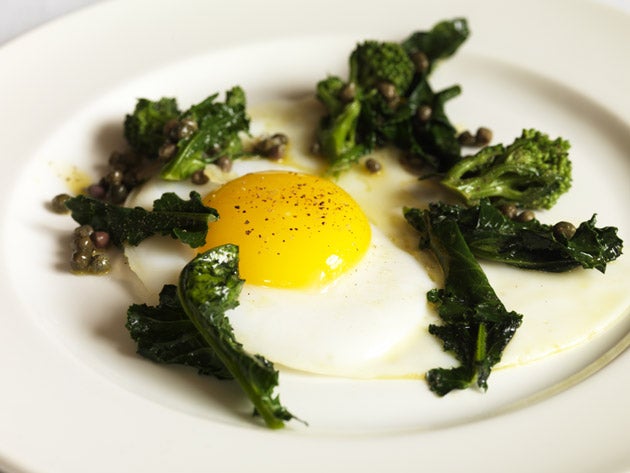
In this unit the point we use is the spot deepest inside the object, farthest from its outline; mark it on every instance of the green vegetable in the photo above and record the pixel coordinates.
(144, 128)
(218, 126)
(165, 334)
(378, 104)
(183, 219)
(492, 236)
(441, 42)
(532, 172)
(476, 325)
(189, 327)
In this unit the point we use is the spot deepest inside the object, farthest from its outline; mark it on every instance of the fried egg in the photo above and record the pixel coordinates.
(334, 282)
(325, 291)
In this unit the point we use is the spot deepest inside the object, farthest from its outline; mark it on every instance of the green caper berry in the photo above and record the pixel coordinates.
(58, 204)
(424, 113)
(224, 163)
(526, 216)
(83, 244)
(199, 177)
(421, 61)
(483, 136)
(166, 151)
(117, 193)
(564, 230)
(466, 138)
(100, 264)
(372, 165)
(387, 90)
(348, 92)
(83, 230)
(509, 210)
(186, 128)
(80, 261)
(115, 177)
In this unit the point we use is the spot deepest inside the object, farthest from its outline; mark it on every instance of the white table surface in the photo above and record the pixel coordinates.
(20, 16)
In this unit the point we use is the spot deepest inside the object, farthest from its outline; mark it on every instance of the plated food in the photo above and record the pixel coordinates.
(293, 270)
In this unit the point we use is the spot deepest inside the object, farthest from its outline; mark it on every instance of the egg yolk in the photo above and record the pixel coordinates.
(293, 230)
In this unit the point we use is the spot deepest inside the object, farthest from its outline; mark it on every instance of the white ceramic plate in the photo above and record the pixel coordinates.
(74, 397)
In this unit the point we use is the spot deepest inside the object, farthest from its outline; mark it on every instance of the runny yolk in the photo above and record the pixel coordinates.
(293, 230)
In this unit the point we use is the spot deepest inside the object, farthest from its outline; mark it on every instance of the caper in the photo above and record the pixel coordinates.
(100, 239)
(100, 264)
(348, 92)
(424, 113)
(83, 244)
(372, 165)
(58, 203)
(186, 128)
(224, 163)
(83, 230)
(117, 193)
(420, 61)
(80, 261)
(272, 147)
(526, 216)
(166, 151)
(564, 230)
(509, 210)
(199, 177)
(115, 177)
(96, 191)
(387, 90)
(170, 128)
(483, 136)
(466, 138)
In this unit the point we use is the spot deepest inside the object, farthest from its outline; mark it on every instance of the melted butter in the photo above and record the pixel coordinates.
(75, 180)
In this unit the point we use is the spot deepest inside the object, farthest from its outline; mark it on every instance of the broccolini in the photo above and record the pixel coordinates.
(532, 172)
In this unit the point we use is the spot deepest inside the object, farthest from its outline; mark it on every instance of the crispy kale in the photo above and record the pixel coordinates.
(387, 100)
(189, 327)
(165, 334)
(532, 172)
(144, 128)
(188, 141)
(186, 220)
(491, 235)
(476, 325)
(208, 131)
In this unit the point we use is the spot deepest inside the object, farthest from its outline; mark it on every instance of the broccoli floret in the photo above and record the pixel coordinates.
(144, 128)
(533, 172)
(373, 63)
(378, 104)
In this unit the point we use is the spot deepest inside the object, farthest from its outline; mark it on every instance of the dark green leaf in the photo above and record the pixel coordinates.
(476, 326)
(165, 334)
(209, 286)
(219, 125)
(186, 220)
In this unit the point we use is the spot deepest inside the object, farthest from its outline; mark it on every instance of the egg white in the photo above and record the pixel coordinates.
(373, 322)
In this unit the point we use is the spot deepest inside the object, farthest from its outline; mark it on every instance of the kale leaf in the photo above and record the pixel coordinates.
(189, 327)
(218, 125)
(144, 128)
(493, 236)
(476, 325)
(186, 220)
(387, 100)
(209, 286)
(165, 334)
